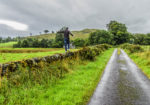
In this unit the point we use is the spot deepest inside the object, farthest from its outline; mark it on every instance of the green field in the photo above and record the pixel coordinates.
(74, 88)
(28, 50)
(8, 57)
(7, 45)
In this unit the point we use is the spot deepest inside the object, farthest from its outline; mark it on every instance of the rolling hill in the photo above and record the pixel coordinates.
(83, 34)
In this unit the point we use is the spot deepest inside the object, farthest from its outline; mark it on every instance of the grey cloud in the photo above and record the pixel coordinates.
(77, 14)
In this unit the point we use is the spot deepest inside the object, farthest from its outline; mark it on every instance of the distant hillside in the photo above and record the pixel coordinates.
(7, 45)
(83, 34)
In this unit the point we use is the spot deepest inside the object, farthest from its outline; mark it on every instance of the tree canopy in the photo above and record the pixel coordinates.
(119, 32)
(100, 37)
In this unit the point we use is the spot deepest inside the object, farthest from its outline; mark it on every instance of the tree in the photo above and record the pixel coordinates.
(1, 39)
(59, 40)
(148, 34)
(139, 38)
(50, 43)
(100, 37)
(119, 31)
(36, 43)
(115, 26)
(44, 43)
(8, 39)
(30, 41)
(25, 44)
(147, 40)
(46, 31)
(121, 37)
(142, 39)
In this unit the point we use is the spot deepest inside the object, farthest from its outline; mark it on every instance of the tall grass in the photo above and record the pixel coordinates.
(143, 61)
(67, 82)
(141, 58)
(146, 48)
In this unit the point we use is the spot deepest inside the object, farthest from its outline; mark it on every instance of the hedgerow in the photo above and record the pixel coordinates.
(132, 48)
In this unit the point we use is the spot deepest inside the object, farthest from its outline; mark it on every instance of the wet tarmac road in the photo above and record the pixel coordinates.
(122, 83)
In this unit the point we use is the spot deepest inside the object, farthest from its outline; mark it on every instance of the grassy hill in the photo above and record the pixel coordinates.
(83, 34)
(7, 45)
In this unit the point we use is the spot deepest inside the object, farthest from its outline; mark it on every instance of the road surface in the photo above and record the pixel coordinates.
(122, 83)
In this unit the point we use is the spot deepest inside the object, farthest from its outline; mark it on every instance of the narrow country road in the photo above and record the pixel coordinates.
(122, 83)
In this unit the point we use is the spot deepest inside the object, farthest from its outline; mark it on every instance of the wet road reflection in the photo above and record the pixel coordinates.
(122, 83)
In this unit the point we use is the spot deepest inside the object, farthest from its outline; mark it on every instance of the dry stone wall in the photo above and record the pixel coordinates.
(85, 53)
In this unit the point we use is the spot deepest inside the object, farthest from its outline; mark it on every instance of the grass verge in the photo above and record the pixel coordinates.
(142, 59)
(74, 88)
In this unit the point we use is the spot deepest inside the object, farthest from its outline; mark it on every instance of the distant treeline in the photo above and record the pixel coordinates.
(115, 34)
(44, 43)
(58, 42)
(5, 40)
(33, 43)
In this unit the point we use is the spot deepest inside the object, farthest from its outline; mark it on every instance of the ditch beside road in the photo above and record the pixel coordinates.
(122, 83)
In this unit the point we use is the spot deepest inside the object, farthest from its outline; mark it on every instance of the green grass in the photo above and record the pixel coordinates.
(7, 45)
(8, 57)
(28, 50)
(146, 48)
(142, 60)
(75, 88)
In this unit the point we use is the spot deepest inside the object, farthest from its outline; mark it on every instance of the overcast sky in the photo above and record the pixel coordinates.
(20, 17)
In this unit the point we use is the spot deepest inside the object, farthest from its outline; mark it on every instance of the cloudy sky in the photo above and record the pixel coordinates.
(20, 17)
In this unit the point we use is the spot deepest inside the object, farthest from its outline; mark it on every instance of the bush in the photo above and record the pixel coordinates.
(79, 42)
(90, 53)
(132, 48)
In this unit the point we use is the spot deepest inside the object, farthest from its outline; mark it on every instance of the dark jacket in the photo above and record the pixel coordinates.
(66, 33)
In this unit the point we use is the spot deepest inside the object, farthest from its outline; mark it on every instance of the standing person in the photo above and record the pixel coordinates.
(66, 33)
